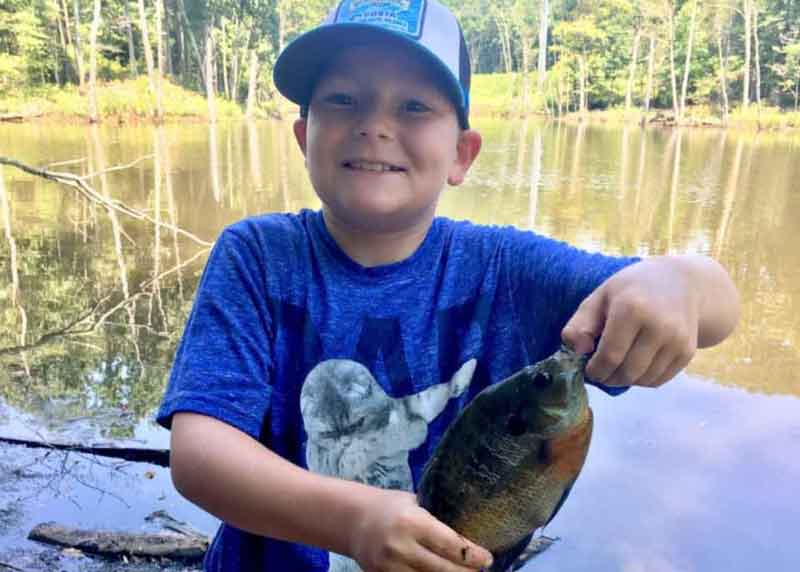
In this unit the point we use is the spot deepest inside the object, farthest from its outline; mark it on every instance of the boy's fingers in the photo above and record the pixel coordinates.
(654, 376)
(615, 343)
(457, 549)
(585, 325)
(637, 362)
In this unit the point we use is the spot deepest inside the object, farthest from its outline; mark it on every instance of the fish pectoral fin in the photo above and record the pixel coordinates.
(536, 546)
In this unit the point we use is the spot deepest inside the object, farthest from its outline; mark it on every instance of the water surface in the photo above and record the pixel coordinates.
(699, 475)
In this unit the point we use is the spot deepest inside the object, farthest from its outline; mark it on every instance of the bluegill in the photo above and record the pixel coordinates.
(505, 465)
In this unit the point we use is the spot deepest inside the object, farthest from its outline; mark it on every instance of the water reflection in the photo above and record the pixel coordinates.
(94, 298)
(621, 190)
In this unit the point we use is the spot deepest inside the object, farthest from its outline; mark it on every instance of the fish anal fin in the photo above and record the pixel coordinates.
(536, 546)
(504, 561)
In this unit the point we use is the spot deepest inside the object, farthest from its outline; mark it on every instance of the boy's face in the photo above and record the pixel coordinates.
(381, 140)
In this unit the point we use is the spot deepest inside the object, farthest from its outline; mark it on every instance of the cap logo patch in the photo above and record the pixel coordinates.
(403, 16)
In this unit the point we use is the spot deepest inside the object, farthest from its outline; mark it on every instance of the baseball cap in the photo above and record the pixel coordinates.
(425, 26)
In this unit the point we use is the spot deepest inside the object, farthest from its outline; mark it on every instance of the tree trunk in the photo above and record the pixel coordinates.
(62, 54)
(235, 74)
(543, 24)
(757, 53)
(688, 62)
(148, 53)
(182, 60)
(209, 73)
(187, 27)
(723, 80)
(632, 71)
(252, 84)
(225, 82)
(159, 60)
(134, 68)
(152, 78)
(526, 59)
(281, 30)
(93, 63)
(582, 84)
(651, 65)
(675, 108)
(505, 42)
(167, 51)
(748, 34)
(77, 44)
(67, 29)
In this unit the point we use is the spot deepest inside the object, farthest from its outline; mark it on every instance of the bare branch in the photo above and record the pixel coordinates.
(79, 184)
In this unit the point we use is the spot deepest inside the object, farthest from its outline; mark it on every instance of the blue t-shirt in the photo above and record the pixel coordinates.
(355, 372)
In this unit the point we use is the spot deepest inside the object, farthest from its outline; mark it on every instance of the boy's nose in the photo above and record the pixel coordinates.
(374, 123)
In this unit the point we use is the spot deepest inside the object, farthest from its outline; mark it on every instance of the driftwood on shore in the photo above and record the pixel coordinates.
(186, 547)
(158, 457)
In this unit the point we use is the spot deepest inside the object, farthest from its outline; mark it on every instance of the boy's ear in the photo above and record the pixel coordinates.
(300, 128)
(467, 149)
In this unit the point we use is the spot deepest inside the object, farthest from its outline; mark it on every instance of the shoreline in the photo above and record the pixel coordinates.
(656, 119)
(129, 102)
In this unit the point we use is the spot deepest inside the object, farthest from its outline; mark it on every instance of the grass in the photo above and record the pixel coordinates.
(123, 100)
(491, 94)
(501, 94)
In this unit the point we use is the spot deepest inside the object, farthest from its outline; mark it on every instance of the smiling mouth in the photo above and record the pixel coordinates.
(372, 166)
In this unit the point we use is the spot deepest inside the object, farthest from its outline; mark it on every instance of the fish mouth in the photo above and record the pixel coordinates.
(372, 166)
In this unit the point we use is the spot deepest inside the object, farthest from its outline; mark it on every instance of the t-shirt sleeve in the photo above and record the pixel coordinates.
(222, 365)
(549, 279)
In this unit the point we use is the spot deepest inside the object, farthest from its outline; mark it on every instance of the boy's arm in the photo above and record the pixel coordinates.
(236, 478)
(650, 318)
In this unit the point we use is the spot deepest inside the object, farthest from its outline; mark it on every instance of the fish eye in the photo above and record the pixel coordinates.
(542, 380)
(516, 425)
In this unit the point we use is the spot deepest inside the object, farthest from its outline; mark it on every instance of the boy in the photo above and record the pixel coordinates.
(327, 352)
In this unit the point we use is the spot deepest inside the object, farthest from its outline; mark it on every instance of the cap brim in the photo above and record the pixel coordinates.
(300, 63)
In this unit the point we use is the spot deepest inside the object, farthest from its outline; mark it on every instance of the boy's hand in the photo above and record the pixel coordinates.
(396, 534)
(647, 317)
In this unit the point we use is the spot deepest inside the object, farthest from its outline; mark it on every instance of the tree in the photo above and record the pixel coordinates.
(688, 61)
(577, 40)
(93, 111)
(544, 17)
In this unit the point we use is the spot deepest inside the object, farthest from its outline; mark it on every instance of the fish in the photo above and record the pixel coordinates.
(506, 464)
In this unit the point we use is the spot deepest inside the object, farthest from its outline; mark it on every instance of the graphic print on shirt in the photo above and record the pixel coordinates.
(359, 433)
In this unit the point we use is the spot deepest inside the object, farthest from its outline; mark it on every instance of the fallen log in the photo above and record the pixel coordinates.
(17, 117)
(183, 547)
(158, 457)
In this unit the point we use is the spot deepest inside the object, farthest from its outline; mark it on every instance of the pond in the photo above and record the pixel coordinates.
(698, 475)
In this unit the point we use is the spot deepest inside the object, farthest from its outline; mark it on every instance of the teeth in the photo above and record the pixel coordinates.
(370, 166)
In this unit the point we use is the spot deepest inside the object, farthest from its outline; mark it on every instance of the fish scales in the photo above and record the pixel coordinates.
(503, 467)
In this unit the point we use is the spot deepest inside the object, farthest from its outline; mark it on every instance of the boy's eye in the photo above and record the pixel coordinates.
(415, 106)
(339, 99)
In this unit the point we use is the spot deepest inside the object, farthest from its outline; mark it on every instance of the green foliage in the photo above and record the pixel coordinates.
(12, 73)
(124, 100)
(594, 37)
